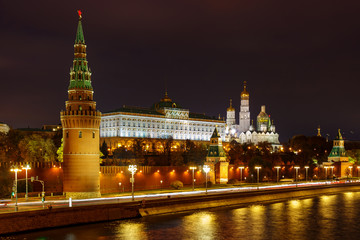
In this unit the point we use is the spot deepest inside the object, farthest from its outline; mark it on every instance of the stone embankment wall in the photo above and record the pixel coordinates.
(24, 221)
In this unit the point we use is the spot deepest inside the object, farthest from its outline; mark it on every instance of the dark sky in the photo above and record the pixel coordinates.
(300, 58)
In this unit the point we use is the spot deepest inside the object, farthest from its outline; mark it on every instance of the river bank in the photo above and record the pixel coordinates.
(59, 217)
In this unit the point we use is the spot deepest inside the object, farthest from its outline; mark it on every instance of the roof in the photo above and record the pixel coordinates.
(151, 111)
(138, 110)
(215, 133)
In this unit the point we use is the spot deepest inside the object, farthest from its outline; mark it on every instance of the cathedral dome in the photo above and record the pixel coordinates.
(165, 102)
(231, 109)
(244, 94)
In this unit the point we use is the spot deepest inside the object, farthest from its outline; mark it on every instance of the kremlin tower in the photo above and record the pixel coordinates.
(81, 122)
(244, 115)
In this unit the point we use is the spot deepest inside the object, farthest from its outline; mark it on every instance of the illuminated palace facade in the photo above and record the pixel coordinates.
(244, 132)
(163, 120)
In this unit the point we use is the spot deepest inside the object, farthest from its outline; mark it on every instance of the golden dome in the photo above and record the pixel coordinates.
(245, 94)
(166, 98)
(231, 107)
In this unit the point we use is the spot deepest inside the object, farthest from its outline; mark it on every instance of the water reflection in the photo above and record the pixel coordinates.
(131, 230)
(325, 218)
(206, 225)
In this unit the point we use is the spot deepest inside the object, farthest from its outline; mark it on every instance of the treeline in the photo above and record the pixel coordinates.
(22, 146)
(168, 154)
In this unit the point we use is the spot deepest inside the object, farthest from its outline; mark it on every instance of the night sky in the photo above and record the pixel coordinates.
(300, 58)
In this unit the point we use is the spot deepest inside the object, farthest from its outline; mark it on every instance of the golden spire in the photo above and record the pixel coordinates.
(244, 94)
(231, 107)
(319, 133)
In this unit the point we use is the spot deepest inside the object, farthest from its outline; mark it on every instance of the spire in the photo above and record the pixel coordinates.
(215, 133)
(80, 74)
(339, 136)
(79, 33)
(231, 107)
(244, 94)
(319, 133)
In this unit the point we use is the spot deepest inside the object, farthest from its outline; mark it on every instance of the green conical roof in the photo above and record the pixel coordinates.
(80, 74)
(215, 134)
(79, 34)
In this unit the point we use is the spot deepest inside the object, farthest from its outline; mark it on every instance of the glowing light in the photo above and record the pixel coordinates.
(79, 12)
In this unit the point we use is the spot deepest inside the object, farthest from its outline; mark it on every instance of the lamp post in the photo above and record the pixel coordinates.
(132, 169)
(241, 169)
(161, 181)
(16, 170)
(26, 168)
(306, 168)
(332, 172)
(193, 177)
(277, 173)
(296, 171)
(257, 168)
(326, 167)
(206, 169)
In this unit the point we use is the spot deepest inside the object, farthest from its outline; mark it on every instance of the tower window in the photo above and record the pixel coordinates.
(93, 134)
(67, 134)
(80, 108)
(80, 134)
(79, 97)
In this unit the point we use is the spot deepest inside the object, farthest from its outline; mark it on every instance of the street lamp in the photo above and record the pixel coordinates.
(296, 171)
(257, 168)
(277, 173)
(161, 181)
(16, 170)
(26, 168)
(306, 168)
(132, 169)
(241, 169)
(193, 182)
(206, 169)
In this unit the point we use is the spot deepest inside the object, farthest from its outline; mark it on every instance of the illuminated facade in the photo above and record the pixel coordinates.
(163, 120)
(4, 128)
(244, 132)
(80, 122)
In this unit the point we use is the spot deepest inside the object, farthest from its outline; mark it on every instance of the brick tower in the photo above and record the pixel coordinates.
(80, 122)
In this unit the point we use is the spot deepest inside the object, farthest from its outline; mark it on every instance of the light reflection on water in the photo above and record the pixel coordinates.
(325, 217)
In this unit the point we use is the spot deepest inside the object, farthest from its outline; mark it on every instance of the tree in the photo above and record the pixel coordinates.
(104, 149)
(60, 151)
(36, 148)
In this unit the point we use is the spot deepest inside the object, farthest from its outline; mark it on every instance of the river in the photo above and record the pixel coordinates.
(323, 217)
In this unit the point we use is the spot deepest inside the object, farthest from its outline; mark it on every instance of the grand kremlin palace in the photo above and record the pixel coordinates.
(163, 120)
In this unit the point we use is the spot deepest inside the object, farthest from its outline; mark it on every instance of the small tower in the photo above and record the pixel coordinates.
(339, 158)
(80, 122)
(244, 115)
(216, 159)
(230, 115)
(338, 152)
(318, 131)
(263, 121)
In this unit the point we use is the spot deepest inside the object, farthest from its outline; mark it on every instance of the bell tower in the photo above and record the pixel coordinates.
(81, 122)
(244, 115)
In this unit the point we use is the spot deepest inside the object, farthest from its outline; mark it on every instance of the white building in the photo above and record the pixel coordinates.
(164, 119)
(4, 128)
(246, 133)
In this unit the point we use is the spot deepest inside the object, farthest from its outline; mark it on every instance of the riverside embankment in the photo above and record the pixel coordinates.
(58, 217)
